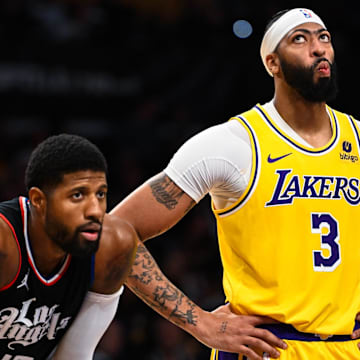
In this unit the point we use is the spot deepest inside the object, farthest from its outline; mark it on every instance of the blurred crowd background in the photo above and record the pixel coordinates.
(138, 78)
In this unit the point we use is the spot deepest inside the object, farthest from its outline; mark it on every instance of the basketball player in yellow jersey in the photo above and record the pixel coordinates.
(284, 182)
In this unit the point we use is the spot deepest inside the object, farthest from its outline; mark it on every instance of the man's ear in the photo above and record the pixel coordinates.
(37, 199)
(273, 63)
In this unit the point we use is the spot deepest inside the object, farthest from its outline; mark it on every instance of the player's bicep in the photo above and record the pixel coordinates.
(155, 206)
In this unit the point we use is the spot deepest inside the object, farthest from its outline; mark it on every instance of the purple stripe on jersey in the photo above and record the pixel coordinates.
(288, 332)
(227, 356)
(354, 129)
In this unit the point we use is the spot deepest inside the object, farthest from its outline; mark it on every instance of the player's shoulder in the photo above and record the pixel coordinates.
(216, 135)
(118, 238)
(9, 251)
(5, 240)
(7, 235)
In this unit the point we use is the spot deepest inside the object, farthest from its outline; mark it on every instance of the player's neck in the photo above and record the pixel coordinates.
(46, 255)
(309, 120)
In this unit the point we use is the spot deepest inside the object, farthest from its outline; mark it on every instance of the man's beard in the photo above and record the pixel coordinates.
(70, 243)
(302, 80)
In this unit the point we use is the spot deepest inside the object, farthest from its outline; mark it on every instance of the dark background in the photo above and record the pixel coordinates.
(138, 78)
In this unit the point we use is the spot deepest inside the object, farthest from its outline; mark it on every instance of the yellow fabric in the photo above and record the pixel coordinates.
(319, 350)
(290, 246)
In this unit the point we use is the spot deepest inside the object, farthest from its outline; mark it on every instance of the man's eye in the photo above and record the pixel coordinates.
(299, 39)
(101, 194)
(77, 195)
(325, 38)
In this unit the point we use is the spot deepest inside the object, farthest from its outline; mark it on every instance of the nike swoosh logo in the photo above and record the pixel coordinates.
(271, 160)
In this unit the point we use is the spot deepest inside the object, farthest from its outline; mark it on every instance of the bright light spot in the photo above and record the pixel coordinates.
(242, 29)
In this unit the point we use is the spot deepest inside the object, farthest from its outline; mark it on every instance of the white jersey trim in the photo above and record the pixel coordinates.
(55, 278)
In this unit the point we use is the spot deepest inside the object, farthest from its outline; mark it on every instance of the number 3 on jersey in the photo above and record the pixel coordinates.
(327, 227)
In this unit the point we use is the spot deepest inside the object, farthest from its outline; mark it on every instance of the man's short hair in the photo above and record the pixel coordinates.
(59, 155)
(274, 18)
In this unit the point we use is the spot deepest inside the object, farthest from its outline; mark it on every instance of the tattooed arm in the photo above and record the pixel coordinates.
(220, 329)
(152, 209)
(160, 294)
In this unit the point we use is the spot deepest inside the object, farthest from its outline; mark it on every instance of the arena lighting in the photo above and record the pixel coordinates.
(242, 29)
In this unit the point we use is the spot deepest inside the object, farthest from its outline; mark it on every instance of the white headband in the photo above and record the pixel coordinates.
(282, 26)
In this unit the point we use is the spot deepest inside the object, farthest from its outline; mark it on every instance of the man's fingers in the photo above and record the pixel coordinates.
(269, 338)
(355, 334)
(244, 337)
(262, 346)
(251, 354)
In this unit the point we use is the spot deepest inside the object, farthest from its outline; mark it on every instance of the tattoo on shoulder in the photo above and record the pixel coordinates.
(166, 192)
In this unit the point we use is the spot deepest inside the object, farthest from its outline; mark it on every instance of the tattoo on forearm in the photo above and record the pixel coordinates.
(144, 277)
(166, 192)
(164, 295)
(144, 262)
(158, 276)
(168, 294)
(188, 316)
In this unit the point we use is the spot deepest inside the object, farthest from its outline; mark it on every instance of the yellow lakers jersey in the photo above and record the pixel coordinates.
(290, 246)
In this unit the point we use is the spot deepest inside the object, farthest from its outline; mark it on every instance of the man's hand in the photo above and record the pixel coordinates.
(356, 333)
(226, 331)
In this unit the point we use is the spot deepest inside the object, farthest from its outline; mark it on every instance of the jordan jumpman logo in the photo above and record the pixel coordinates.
(24, 281)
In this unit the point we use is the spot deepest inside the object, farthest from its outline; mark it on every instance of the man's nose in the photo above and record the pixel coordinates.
(317, 48)
(94, 209)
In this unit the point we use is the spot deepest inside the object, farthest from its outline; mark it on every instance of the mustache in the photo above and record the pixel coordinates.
(318, 61)
(95, 225)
